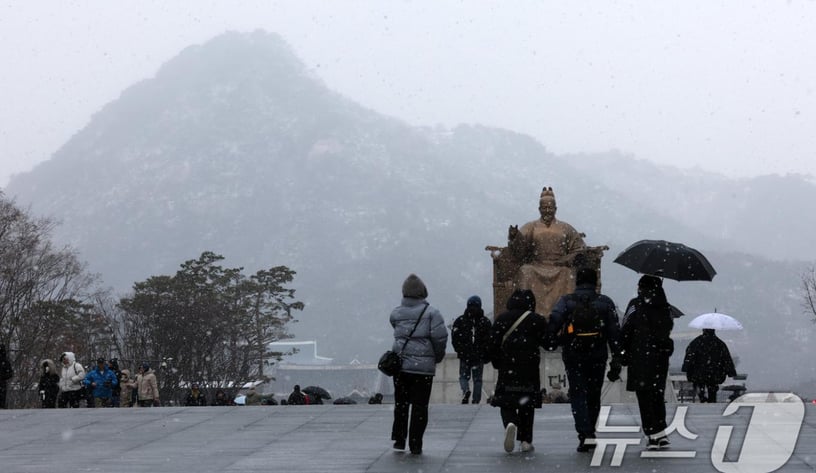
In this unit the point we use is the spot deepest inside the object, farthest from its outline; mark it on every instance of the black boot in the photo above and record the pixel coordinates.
(466, 397)
(586, 443)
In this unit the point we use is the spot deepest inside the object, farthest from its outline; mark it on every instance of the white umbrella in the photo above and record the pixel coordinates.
(716, 321)
(240, 400)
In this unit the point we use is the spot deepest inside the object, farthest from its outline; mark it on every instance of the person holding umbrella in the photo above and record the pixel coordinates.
(707, 363)
(647, 346)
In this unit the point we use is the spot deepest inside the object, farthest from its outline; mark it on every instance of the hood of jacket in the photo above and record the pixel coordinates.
(70, 356)
(52, 367)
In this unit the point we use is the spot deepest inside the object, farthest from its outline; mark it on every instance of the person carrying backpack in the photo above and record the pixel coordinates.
(584, 323)
(470, 336)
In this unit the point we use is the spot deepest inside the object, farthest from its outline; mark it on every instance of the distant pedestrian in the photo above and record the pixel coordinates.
(101, 381)
(116, 391)
(195, 397)
(647, 346)
(127, 385)
(707, 363)
(585, 323)
(296, 397)
(6, 373)
(470, 336)
(49, 384)
(147, 387)
(71, 376)
(515, 341)
(376, 399)
(221, 399)
(421, 336)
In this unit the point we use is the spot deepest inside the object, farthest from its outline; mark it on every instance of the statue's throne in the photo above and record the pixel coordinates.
(506, 264)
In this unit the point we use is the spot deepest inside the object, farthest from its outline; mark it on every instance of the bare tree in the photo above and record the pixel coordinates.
(42, 297)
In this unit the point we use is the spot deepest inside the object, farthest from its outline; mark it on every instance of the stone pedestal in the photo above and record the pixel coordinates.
(446, 381)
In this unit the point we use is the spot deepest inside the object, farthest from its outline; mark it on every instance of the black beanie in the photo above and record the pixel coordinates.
(413, 287)
(586, 276)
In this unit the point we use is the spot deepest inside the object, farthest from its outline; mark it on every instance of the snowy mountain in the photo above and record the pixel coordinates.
(236, 148)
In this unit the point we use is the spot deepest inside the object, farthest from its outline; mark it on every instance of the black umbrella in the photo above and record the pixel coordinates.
(317, 391)
(675, 312)
(668, 260)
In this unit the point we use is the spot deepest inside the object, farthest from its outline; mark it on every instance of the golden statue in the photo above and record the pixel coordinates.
(542, 256)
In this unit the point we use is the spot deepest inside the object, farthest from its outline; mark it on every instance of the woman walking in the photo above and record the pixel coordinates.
(647, 346)
(515, 339)
(421, 336)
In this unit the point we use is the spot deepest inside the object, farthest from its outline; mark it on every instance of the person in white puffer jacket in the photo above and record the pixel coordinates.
(70, 383)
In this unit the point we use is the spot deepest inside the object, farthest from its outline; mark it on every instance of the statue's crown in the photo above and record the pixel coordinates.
(547, 193)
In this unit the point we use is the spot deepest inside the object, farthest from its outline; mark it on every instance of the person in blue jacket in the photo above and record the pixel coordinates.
(101, 381)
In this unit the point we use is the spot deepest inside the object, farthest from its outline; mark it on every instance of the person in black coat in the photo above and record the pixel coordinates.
(647, 346)
(514, 351)
(470, 336)
(49, 384)
(707, 363)
(6, 373)
(195, 397)
(584, 352)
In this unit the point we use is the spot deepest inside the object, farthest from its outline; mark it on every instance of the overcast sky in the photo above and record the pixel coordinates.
(725, 86)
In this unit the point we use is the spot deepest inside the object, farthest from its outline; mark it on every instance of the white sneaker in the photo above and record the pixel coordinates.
(510, 437)
(527, 447)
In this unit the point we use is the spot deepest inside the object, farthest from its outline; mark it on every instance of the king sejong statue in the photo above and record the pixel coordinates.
(542, 256)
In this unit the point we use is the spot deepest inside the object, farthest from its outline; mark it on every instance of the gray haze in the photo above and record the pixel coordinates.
(723, 86)
(236, 147)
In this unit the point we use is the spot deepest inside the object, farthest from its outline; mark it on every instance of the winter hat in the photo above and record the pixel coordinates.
(474, 301)
(413, 287)
(100, 360)
(145, 366)
(586, 276)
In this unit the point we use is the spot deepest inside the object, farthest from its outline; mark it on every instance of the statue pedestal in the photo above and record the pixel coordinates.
(446, 382)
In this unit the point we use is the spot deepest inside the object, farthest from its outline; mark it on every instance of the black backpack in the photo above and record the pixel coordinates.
(585, 326)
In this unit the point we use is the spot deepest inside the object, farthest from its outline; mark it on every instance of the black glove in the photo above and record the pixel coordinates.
(614, 371)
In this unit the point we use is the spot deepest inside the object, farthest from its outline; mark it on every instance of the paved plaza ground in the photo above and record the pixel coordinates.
(355, 438)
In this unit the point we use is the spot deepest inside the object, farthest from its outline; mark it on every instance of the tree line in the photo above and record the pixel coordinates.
(206, 323)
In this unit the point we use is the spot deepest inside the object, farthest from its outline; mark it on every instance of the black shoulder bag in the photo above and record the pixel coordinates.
(391, 362)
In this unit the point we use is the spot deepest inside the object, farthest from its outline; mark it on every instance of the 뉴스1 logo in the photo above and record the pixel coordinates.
(768, 444)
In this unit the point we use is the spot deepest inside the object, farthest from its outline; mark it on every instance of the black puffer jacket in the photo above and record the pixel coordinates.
(517, 359)
(646, 341)
(708, 360)
(471, 335)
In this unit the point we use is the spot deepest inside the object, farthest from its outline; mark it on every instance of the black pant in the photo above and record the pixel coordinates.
(411, 391)
(524, 417)
(585, 380)
(2, 394)
(652, 411)
(69, 399)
